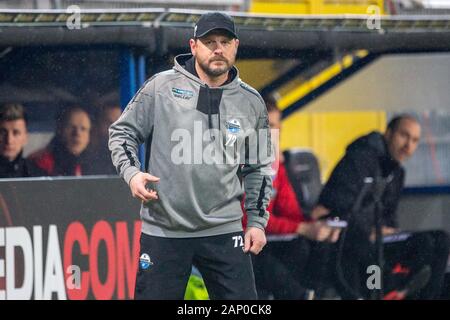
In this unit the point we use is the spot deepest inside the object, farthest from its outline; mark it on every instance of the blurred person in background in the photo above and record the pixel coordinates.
(281, 267)
(99, 154)
(13, 138)
(414, 262)
(66, 154)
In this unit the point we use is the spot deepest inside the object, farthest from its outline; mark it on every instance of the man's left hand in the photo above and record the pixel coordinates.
(254, 240)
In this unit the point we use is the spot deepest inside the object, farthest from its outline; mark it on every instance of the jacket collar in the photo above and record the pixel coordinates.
(19, 159)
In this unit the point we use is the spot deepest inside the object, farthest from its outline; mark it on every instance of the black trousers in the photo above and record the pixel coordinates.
(412, 254)
(165, 266)
(282, 268)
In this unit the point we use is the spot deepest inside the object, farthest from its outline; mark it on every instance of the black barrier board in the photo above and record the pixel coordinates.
(68, 238)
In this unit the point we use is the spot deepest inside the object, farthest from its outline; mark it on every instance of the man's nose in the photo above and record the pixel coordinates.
(76, 132)
(409, 146)
(9, 138)
(218, 51)
(218, 47)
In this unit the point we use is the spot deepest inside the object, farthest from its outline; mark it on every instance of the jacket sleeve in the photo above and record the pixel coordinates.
(280, 224)
(257, 177)
(131, 129)
(390, 218)
(285, 212)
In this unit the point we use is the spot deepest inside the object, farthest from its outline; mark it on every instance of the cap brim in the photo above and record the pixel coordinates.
(230, 32)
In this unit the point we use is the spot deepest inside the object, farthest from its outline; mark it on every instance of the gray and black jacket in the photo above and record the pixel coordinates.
(201, 143)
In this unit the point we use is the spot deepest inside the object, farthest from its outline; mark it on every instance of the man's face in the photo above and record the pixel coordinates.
(215, 53)
(77, 132)
(13, 137)
(403, 142)
(275, 119)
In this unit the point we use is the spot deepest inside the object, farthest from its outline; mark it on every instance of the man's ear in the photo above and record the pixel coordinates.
(192, 45)
(388, 134)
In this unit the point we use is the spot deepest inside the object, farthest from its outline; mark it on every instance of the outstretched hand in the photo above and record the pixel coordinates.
(138, 186)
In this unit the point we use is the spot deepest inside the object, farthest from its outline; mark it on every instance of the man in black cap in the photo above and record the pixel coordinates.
(191, 210)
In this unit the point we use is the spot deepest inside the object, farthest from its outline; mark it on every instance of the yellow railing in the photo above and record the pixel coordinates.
(316, 81)
(316, 6)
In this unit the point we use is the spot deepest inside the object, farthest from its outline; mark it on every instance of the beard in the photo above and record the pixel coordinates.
(217, 71)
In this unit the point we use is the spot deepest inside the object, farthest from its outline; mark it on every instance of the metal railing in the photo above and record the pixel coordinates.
(121, 4)
(186, 18)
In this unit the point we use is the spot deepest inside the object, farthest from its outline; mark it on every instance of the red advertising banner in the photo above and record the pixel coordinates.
(68, 238)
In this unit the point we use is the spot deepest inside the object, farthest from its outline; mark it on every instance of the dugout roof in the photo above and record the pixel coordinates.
(168, 30)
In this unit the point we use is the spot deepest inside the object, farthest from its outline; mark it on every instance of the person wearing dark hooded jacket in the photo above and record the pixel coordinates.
(420, 257)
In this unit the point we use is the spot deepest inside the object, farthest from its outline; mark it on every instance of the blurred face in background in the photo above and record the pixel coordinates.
(403, 141)
(275, 119)
(76, 132)
(275, 126)
(13, 137)
(109, 116)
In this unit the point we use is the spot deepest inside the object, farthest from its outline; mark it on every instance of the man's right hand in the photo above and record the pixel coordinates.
(385, 231)
(319, 212)
(318, 231)
(138, 186)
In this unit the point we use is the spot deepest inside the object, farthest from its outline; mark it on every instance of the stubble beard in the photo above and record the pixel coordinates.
(215, 72)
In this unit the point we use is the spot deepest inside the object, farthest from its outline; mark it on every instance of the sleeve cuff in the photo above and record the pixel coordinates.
(254, 220)
(129, 173)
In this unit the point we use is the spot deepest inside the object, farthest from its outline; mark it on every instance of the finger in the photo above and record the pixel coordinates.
(323, 233)
(322, 236)
(139, 196)
(256, 247)
(143, 198)
(154, 195)
(335, 235)
(150, 178)
(147, 195)
(146, 200)
(331, 237)
(247, 242)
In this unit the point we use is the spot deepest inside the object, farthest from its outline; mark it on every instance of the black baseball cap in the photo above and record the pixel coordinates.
(214, 20)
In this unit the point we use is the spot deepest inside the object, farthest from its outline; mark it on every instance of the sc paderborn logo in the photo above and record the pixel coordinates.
(233, 127)
(145, 262)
